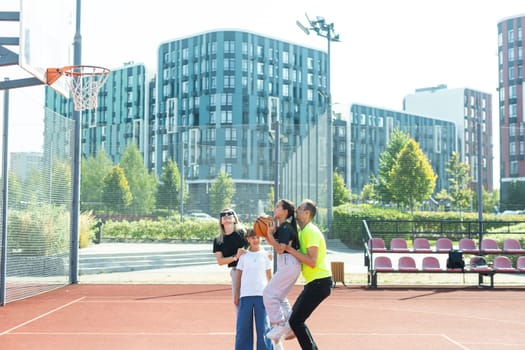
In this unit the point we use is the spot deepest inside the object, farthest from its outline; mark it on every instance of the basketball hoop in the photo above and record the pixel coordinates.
(84, 83)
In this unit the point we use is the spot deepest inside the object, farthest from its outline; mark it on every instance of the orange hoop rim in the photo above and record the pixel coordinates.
(53, 74)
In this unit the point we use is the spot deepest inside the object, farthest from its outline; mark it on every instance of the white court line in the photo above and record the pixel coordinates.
(40, 316)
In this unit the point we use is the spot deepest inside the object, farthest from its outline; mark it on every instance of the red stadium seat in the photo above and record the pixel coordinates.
(407, 264)
(376, 245)
(431, 264)
(503, 264)
(443, 245)
(489, 246)
(520, 264)
(383, 264)
(468, 246)
(422, 245)
(399, 245)
(512, 246)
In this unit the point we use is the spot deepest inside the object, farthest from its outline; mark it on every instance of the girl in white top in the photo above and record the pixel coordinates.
(255, 269)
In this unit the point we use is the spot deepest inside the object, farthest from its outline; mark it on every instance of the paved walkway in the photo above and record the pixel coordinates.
(206, 273)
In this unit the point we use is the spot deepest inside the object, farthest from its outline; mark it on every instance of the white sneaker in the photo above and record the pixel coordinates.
(276, 333)
(277, 345)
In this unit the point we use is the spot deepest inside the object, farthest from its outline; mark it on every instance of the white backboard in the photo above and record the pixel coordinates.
(47, 29)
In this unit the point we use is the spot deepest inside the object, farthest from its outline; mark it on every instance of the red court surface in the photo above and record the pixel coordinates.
(174, 316)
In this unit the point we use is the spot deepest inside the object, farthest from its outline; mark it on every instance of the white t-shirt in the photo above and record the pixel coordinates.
(254, 266)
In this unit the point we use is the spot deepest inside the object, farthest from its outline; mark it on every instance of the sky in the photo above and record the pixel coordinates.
(388, 48)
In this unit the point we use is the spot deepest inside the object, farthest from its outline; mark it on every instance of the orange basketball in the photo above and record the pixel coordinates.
(260, 225)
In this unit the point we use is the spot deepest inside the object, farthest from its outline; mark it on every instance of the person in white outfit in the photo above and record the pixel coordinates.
(288, 270)
(255, 269)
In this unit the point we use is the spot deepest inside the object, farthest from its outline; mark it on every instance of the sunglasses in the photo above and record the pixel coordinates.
(227, 213)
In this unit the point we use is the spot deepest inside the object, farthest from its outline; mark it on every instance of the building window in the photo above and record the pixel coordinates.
(260, 68)
(286, 57)
(229, 64)
(229, 81)
(230, 134)
(510, 35)
(513, 168)
(230, 152)
(512, 91)
(226, 117)
(309, 63)
(226, 100)
(229, 46)
(260, 85)
(227, 168)
(286, 74)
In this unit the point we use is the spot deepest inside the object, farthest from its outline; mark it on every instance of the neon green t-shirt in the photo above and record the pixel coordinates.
(311, 236)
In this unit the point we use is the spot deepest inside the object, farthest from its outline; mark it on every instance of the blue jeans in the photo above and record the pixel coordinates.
(251, 307)
(309, 299)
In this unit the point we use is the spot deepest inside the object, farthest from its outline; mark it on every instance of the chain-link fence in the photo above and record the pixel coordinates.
(36, 233)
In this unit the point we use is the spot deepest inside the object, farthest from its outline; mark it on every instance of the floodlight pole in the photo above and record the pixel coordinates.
(326, 30)
(75, 205)
(480, 176)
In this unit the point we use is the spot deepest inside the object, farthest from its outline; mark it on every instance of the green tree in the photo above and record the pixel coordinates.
(271, 199)
(341, 193)
(116, 194)
(143, 186)
(168, 193)
(60, 183)
(460, 193)
(93, 171)
(368, 193)
(490, 201)
(33, 191)
(443, 198)
(221, 192)
(412, 179)
(387, 160)
(14, 190)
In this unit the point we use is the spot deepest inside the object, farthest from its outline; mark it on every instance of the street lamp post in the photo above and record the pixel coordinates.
(479, 173)
(326, 30)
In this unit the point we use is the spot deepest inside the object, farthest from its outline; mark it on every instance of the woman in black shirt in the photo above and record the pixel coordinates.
(230, 243)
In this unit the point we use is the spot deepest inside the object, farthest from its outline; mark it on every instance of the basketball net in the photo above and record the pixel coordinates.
(84, 83)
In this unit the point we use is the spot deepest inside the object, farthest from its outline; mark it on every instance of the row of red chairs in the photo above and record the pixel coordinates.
(444, 245)
(500, 264)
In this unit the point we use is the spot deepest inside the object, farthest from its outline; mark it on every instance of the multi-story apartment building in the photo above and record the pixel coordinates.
(511, 104)
(359, 142)
(218, 95)
(468, 109)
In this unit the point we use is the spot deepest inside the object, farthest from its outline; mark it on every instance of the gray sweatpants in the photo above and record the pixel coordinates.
(275, 294)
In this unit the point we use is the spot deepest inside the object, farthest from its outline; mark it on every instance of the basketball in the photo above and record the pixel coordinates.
(260, 225)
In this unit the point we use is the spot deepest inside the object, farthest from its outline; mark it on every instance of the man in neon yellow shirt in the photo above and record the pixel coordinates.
(312, 255)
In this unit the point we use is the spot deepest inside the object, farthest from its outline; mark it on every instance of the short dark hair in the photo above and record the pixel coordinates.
(310, 206)
(249, 232)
